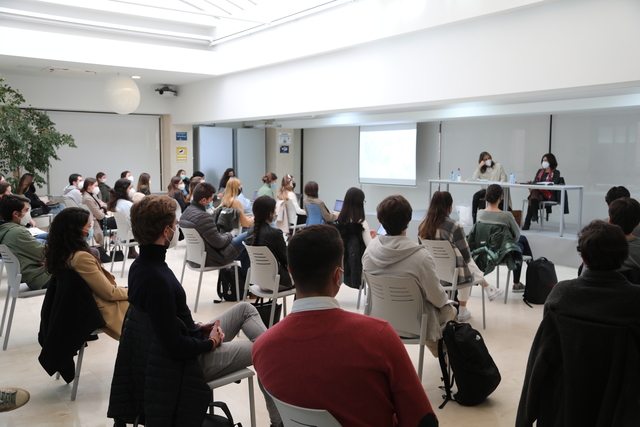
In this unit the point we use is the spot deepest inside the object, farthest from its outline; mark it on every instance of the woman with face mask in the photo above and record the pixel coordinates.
(68, 248)
(182, 174)
(230, 200)
(546, 173)
(492, 172)
(175, 190)
(96, 206)
(105, 190)
(119, 201)
(269, 183)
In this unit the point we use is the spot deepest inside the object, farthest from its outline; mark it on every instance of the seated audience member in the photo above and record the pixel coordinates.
(174, 190)
(286, 194)
(198, 174)
(438, 226)
(143, 187)
(615, 193)
(221, 248)
(311, 198)
(105, 190)
(192, 186)
(230, 200)
(269, 183)
(27, 189)
(126, 175)
(67, 248)
(353, 366)
(492, 214)
(584, 363)
(96, 207)
(229, 173)
(396, 255)
(119, 201)
(625, 213)
(262, 234)
(5, 188)
(156, 295)
(182, 174)
(14, 210)
(73, 189)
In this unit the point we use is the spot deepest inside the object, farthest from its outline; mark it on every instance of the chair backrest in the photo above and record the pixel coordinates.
(295, 416)
(399, 301)
(69, 202)
(292, 215)
(264, 268)
(444, 258)
(315, 215)
(123, 226)
(14, 277)
(196, 251)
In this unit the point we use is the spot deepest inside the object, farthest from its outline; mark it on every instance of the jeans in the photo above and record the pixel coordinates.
(42, 237)
(243, 256)
(523, 244)
(234, 355)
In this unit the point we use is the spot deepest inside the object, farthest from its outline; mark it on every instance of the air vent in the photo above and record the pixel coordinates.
(69, 71)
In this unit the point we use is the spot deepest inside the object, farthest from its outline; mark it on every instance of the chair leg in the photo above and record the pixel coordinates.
(237, 283)
(195, 308)
(359, 295)
(498, 276)
(484, 320)
(273, 312)
(252, 403)
(247, 282)
(4, 312)
(506, 289)
(184, 267)
(8, 331)
(124, 261)
(113, 257)
(76, 380)
(421, 362)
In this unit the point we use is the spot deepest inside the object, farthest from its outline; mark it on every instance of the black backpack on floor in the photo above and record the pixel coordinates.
(227, 284)
(541, 278)
(474, 371)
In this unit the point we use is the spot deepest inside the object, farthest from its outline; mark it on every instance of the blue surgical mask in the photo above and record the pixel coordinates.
(273, 185)
(183, 176)
(89, 235)
(209, 206)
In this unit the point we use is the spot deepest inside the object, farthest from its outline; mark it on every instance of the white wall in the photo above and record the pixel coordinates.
(559, 47)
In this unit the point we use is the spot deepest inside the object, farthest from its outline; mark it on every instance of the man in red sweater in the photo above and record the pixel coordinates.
(322, 357)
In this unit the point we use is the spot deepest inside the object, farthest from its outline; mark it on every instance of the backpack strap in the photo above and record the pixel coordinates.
(448, 380)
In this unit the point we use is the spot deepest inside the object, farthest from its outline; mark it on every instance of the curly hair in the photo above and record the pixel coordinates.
(150, 216)
(119, 191)
(65, 239)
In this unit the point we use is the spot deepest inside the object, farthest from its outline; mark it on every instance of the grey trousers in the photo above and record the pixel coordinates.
(231, 355)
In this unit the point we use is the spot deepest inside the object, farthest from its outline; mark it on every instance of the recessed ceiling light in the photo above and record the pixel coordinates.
(136, 77)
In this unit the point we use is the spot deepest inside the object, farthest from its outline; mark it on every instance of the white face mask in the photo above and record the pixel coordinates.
(103, 180)
(545, 165)
(488, 162)
(174, 240)
(26, 219)
(181, 187)
(80, 182)
(131, 193)
(95, 190)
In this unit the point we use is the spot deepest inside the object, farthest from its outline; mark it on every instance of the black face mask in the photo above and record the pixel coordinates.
(240, 191)
(293, 185)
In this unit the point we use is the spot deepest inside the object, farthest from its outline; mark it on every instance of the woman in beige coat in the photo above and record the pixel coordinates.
(96, 206)
(67, 248)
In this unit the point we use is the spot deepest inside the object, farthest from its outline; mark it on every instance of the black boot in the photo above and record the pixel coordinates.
(527, 220)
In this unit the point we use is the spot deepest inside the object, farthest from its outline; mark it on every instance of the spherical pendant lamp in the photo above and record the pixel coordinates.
(122, 94)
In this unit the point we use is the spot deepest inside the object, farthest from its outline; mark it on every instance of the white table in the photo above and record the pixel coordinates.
(560, 188)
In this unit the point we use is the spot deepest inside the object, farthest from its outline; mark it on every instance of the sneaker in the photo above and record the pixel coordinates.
(517, 288)
(12, 398)
(493, 292)
(463, 314)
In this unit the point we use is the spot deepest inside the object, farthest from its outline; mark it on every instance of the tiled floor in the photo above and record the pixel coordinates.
(510, 331)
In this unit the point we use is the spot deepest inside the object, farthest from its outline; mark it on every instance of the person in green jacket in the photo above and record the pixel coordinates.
(269, 181)
(15, 211)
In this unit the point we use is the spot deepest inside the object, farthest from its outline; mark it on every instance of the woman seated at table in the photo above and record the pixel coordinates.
(311, 198)
(67, 248)
(438, 226)
(489, 170)
(262, 234)
(547, 173)
(494, 215)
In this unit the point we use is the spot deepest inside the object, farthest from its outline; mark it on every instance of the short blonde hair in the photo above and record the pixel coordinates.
(150, 216)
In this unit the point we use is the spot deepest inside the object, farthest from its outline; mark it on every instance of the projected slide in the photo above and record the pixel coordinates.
(388, 154)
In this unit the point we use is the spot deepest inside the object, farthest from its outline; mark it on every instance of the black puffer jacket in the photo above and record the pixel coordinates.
(354, 248)
(220, 251)
(148, 383)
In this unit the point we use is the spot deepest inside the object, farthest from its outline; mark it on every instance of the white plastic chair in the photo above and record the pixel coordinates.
(445, 260)
(69, 202)
(400, 302)
(236, 377)
(16, 290)
(295, 416)
(43, 222)
(506, 288)
(263, 273)
(197, 254)
(76, 378)
(292, 217)
(122, 239)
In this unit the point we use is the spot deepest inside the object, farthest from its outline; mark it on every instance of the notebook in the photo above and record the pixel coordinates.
(338, 206)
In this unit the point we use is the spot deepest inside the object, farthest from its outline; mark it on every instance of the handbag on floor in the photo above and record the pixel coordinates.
(213, 420)
(264, 309)
(474, 372)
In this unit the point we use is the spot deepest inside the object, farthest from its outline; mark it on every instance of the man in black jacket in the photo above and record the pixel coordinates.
(584, 365)
(222, 248)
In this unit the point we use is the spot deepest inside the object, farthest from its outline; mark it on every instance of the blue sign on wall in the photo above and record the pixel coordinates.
(181, 136)
(284, 149)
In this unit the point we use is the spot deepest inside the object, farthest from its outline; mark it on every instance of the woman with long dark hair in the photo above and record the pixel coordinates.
(192, 186)
(262, 234)
(90, 191)
(229, 173)
(143, 188)
(353, 212)
(547, 173)
(119, 201)
(27, 189)
(438, 226)
(67, 248)
(311, 198)
(174, 190)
